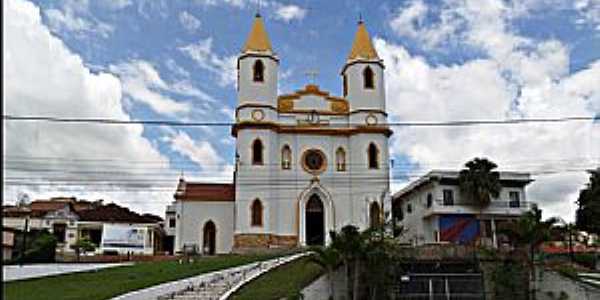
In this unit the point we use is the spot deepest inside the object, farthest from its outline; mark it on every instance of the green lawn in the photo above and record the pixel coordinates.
(283, 282)
(107, 283)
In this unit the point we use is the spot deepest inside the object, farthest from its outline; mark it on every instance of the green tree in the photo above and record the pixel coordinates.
(350, 244)
(478, 182)
(328, 258)
(83, 245)
(41, 249)
(589, 205)
(528, 233)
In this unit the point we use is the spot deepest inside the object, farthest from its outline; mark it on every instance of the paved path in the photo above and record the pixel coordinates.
(210, 286)
(16, 272)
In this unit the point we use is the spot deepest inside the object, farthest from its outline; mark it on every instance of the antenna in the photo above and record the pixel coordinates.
(258, 9)
(360, 18)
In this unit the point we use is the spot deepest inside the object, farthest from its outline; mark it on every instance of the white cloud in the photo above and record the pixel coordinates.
(290, 12)
(519, 78)
(116, 4)
(176, 69)
(223, 67)
(189, 22)
(47, 79)
(280, 11)
(410, 21)
(589, 12)
(142, 82)
(73, 17)
(214, 168)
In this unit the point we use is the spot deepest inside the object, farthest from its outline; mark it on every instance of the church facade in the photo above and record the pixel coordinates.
(307, 162)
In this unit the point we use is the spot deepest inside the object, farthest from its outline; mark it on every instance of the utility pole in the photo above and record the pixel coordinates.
(24, 243)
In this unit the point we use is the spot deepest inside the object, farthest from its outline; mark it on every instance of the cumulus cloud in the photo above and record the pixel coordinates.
(222, 67)
(517, 78)
(189, 22)
(410, 21)
(290, 12)
(213, 166)
(47, 79)
(142, 82)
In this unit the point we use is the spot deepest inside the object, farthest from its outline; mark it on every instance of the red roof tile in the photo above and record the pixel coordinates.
(196, 191)
(115, 214)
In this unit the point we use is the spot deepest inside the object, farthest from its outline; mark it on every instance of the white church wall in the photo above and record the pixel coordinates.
(193, 215)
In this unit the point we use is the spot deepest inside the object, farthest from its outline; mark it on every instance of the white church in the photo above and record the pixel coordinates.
(306, 163)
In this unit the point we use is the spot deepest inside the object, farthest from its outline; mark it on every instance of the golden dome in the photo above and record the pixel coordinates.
(258, 39)
(362, 48)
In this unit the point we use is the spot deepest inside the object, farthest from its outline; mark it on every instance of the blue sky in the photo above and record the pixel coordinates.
(445, 60)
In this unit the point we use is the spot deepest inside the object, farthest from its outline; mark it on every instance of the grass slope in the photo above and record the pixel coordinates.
(107, 283)
(285, 281)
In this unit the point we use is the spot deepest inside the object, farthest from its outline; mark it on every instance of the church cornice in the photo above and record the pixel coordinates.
(313, 130)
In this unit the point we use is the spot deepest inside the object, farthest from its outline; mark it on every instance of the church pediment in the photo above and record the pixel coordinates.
(312, 99)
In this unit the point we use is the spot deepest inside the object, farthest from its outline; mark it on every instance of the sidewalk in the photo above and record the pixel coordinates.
(16, 272)
(214, 285)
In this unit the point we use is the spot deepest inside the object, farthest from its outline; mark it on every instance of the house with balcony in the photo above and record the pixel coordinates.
(433, 210)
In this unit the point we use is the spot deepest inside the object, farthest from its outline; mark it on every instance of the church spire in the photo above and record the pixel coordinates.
(362, 48)
(258, 39)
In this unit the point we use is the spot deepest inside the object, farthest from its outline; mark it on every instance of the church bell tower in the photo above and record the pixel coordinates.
(362, 75)
(257, 68)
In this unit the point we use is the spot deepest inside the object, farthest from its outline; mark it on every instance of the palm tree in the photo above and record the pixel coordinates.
(479, 183)
(328, 258)
(529, 232)
(349, 243)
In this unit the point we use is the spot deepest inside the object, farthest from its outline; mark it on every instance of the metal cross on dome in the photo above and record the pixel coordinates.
(312, 75)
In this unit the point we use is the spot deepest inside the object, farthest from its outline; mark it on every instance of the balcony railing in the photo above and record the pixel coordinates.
(493, 204)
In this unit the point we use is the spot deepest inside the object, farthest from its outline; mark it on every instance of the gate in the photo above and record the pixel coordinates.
(449, 286)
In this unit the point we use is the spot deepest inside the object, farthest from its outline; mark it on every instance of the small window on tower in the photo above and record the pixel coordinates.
(259, 71)
(368, 77)
(286, 157)
(345, 85)
(373, 154)
(340, 159)
(257, 152)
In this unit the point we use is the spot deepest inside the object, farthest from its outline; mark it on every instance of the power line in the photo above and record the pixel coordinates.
(109, 121)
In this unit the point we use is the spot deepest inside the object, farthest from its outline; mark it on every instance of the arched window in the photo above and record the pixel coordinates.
(286, 157)
(257, 152)
(345, 84)
(257, 213)
(368, 78)
(373, 154)
(340, 159)
(259, 71)
(375, 215)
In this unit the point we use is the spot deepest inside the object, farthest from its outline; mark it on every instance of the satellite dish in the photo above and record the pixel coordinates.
(23, 199)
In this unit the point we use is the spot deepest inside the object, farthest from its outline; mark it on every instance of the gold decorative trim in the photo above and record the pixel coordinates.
(285, 103)
(316, 130)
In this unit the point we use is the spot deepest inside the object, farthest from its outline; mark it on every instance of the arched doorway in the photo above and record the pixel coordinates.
(315, 221)
(375, 215)
(209, 238)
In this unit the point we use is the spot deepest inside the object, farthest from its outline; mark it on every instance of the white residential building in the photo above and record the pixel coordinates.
(432, 209)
